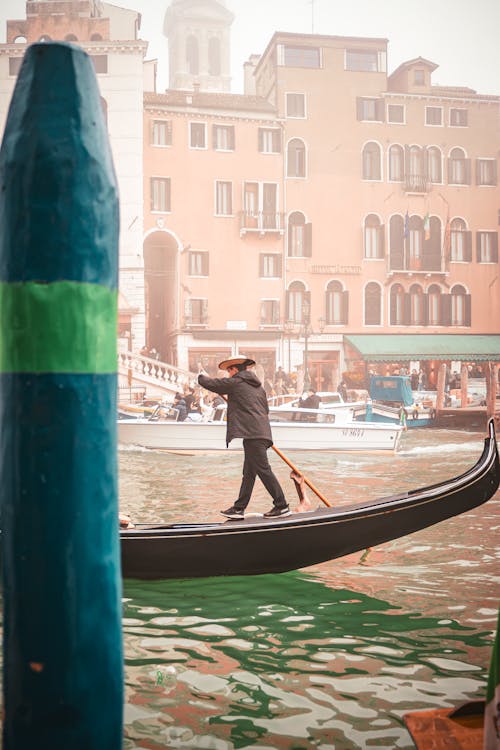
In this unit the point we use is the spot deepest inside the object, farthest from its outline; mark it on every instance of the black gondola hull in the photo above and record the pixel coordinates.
(255, 546)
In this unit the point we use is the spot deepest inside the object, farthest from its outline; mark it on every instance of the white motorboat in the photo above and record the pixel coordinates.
(297, 429)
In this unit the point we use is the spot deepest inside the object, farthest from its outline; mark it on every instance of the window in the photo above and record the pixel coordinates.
(192, 56)
(223, 137)
(371, 162)
(370, 109)
(419, 77)
(487, 247)
(460, 241)
(414, 242)
(260, 206)
(434, 305)
(373, 304)
(197, 311)
(270, 266)
(198, 263)
(415, 174)
(336, 304)
(299, 236)
(214, 66)
(397, 305)
(14, 65)
(374, 238)
(369, 61)
(433, 115)
(396, 114)
(100, 63)
(434, 165)
(458, 168)
(458, 118)
(486, 172)
(296, 158)
(416, 305)
(160, 194)
(162, 133)
(297, 299)
(396, 163)
(301, 57)
(460, 306)
(296, 105)
(269, 312)
(269, 140)
(223, 198)
(197, 135)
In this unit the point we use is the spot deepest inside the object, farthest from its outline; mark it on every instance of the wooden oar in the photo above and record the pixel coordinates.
(306, 480)
(294, 468)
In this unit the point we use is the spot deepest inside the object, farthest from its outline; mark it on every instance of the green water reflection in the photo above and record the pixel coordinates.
(285, 662)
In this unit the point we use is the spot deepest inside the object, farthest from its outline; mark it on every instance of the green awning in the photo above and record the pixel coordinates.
(401, 347)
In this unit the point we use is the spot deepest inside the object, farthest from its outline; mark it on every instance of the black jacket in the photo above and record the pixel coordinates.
(247, 409)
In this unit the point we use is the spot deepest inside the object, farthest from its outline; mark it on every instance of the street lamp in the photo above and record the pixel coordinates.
(306, 320)
(288, 330)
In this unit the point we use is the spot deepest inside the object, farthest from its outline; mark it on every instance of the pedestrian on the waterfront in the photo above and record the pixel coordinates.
(248, 418)
(180, 405)
(342, 389)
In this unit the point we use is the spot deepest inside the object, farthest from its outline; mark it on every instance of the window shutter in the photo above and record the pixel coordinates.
(381, 242)
(396, 244)
(380, 110)
(275, 312)
(345, 308)
(494, 172)
(393, 309)
(261, 265)
(308, 240)
(204, 311)
(446, 309)
(450, 171)
(478, 172)
(468, 245)
(232, 138)
(467, 310)
(467, 168)
(406, 309)
(279, 266)
(359, 108)
(478, 247)
(287, 303)
(204, 264)
(261, 140)
(214, 136)
(277, 140)
(425, 303)
(494, 247)
(406, 170)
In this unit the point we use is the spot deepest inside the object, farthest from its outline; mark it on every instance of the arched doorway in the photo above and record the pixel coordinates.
(160, 274)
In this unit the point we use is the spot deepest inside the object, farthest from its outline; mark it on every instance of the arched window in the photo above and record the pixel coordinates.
(434, 165)
(335, 304)
(434, 314)
(458, 167)
(459, 306)
(70, 38)
(458, 240)
(374, 240)
(296, 158)
(20, 40)
(192, 55)
(96, 37)
(416, 305)
(297, 299)
(299, 236)
(214, 66)
(45, 38)
(373, 304)
(396, 163)
(397, 305)
(371, 162)
(415, 242)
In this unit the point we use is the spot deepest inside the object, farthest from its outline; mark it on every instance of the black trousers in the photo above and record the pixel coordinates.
(256, 464)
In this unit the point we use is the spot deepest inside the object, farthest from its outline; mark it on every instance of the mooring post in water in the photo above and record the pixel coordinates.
(63, 686)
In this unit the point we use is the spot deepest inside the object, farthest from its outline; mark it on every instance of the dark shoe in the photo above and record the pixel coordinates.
(277, 512)
(233, 513)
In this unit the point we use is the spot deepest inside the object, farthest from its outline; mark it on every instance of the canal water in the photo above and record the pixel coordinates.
(329, 657)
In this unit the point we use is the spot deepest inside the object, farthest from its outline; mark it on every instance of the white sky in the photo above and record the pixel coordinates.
(461, 36)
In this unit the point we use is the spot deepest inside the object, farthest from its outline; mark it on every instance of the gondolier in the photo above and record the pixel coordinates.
(247, 418)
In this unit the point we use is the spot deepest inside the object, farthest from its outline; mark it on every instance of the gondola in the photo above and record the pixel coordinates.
(258, 545)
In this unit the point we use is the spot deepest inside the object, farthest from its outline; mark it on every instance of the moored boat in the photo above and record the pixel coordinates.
(260, 545)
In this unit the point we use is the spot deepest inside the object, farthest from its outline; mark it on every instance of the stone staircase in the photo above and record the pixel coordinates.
(140, 376)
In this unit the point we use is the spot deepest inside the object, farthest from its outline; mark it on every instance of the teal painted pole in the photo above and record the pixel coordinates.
(63, 682)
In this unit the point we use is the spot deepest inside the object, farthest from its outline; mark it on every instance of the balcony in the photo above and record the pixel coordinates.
(416, 183)
(262, 222)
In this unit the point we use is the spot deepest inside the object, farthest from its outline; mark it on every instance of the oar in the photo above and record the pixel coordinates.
(306, 480)
(294, 468)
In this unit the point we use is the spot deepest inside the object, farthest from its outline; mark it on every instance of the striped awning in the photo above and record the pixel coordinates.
(405, 347)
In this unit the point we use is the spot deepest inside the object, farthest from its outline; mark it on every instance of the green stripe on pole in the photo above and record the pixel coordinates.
(59, 327)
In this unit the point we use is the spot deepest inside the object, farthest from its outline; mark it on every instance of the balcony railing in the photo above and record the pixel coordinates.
(262, 221)
(416, 183)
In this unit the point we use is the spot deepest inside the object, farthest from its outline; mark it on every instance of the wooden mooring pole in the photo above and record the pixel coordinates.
(62, 682)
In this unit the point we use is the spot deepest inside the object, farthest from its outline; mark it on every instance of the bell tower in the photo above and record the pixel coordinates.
(199, 44)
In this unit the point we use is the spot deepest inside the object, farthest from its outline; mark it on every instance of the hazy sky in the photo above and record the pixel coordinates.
(461, 36)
